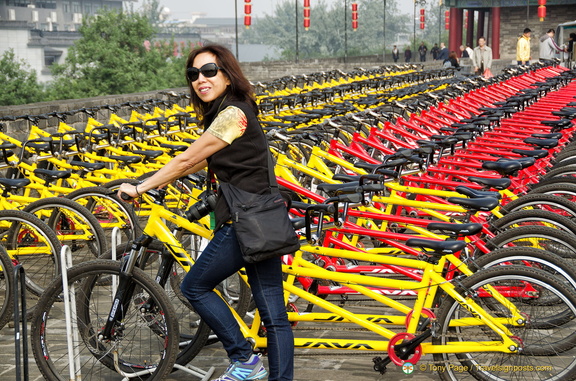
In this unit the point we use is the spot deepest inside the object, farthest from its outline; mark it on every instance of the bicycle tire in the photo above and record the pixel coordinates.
(569, 170)
(538, 201)
(550, 262)
(6, 287)
(534, 217)
(61, 214)
(154, 347)
(33, 244)
(570, 160)
(193, 330)
(554, 180)
(545, 346)
(93, 196)
(541, 237)
(566, 191)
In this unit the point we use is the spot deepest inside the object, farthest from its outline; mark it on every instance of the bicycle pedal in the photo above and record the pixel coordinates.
(380, 364)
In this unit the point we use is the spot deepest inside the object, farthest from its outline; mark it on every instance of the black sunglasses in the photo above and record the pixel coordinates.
(209, 70)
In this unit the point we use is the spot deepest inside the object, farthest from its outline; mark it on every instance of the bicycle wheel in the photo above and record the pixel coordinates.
(539, 237)
(549, 202)
(31, 243)
(546, 343)
(6, 287)
(109, 210)
(566, 191)
(564, 269)
(143, 346)
(74, 225)
(534, 217)
(193, 331)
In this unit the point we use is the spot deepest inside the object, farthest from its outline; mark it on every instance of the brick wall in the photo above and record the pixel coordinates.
(513, 22)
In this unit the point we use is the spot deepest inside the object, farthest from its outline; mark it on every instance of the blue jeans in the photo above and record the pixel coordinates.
(221, 259)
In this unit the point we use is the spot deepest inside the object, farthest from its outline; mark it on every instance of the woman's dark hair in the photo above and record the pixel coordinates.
(240, 88)
(573, 35)
(453, 55)
(551, 31)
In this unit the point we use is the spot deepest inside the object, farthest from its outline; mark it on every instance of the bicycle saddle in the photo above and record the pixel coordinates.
(174, 147)
(127, 159)
(475, 204)
(298, 222)
(331, 188)
(525, 162)
(536, 153)
(499, 184)
(542, 143)
(562, 123)
(50, 175)
(345, 178)
(504, 168)
(459, 230)
(150, 154)
(88, 166)
(552, 135)
(438, 247)
(13, 184)
(475, 193)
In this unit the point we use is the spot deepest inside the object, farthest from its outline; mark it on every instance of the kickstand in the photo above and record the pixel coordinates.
(204, 375)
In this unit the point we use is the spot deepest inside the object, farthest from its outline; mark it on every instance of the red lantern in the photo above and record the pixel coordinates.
(422, 18)
(247, 13)
(447, 20)
(354, 16)
(306, 14)
(542, 9)
(466, 20)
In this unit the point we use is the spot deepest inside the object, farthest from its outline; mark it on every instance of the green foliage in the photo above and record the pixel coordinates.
(111, 57)
(327, 36)
(19, 82)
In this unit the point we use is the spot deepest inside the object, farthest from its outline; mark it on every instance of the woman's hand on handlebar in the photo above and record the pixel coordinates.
(128, 191)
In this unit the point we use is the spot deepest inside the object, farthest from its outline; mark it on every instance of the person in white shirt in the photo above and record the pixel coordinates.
(548, 47)
(482, 57)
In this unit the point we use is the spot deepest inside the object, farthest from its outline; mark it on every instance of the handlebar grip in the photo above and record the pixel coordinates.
(125, 196)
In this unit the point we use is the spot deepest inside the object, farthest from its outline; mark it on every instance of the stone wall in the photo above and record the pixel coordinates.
(513, 22)
(256, 71)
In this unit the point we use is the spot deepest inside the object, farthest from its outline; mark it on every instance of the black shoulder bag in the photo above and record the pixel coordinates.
(261, 221)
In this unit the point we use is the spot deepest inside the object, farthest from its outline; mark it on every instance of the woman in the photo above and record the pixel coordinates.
(451, 61)
(233, 147)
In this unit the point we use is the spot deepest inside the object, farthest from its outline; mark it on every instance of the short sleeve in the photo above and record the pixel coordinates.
(229, 124)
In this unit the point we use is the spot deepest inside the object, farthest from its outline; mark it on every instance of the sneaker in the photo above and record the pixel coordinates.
(252, 369)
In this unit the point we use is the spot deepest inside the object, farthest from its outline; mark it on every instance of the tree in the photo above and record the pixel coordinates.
(19, 81)
(112, 57)
(326, 35)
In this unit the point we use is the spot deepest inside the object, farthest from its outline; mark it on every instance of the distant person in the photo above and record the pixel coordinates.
(548, 47)
(482, 57)
(571, 51)
(395, 53)
(464, 52)
(469, 50)
(523, 48)
(451, 61)
(434, 52)
(407, 54)
(422, 51)
(443, 53)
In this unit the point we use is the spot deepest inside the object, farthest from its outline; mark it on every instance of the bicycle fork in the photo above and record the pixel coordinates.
(123, 294)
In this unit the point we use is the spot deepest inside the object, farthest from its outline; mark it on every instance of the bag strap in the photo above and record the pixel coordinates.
(271, 175)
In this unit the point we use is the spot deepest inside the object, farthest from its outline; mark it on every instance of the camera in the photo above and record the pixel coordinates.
(203, 207)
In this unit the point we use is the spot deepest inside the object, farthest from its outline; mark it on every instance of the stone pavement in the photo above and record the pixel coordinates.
(311, 365)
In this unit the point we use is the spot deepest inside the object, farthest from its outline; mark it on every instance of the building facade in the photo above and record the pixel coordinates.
(40, 32)
(502, 23)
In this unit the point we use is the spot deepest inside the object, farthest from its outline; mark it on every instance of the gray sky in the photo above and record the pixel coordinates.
(183, 9)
